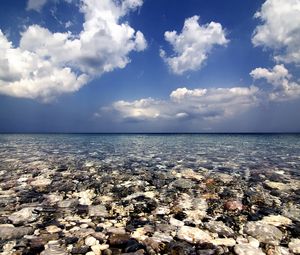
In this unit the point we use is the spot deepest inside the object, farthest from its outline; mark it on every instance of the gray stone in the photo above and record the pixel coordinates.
(25, 215)
(98, 211)
(54, 249)
(294, 245)
(220, 228)
(68, 203)
(263, 232)
(277, 185)
(246, 249)
(277, 220)
(162, 237)
(292, 212)
(193, 235)
(183, 184)
(8, 231)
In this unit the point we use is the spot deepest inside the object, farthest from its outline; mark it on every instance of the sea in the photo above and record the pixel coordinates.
(149, 194)
(218, 152)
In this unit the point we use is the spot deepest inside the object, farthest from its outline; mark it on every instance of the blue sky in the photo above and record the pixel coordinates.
(149, 66)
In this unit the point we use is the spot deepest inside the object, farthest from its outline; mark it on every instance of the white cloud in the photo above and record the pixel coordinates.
(182, 93)
(48, 64)
(146, 108)
(35, 5)
(68, 24)
(207, 104)
(192, 46)
(280, 29)
(282, 87)
(210, 104)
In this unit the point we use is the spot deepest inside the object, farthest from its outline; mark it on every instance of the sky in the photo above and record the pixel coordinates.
(149, 66)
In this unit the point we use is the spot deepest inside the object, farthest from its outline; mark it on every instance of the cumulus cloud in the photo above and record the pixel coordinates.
(280, 29)
(209, 104)
(35, 5)
(183, 103)
(192, 46)
(47, 64)
(283, 88)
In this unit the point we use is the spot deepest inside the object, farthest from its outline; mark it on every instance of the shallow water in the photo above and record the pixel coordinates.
(215, 152)
(149, 194)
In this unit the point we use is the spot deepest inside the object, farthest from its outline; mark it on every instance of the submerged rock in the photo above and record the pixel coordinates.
(292, 211)
(183, 184)
(277, 185)
(41, 183)
(276, 220)
(25, 215)
(180, 248)
(118, 240)
(86, 197)
(233, 205)
(8, 231)
(263, 232)
(224, 241)
(294, 245)
(193, 235)
(220, 228)
(54, 249)
(53, 229)
(246, 249)
(97, 211)
(91, 241)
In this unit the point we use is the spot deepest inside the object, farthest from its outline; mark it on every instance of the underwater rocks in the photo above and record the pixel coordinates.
(294, 245)
(220, 228)
(263, 232)
(98, 211)
(246, 249)
(276, 220)
(8, 232)
(193, 235)
(233, 205)
(25, 215)
(146, 204)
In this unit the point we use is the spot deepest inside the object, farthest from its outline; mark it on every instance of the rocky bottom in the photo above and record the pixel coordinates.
(96, 211)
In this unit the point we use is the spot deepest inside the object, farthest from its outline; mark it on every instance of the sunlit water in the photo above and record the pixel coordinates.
(227, 153)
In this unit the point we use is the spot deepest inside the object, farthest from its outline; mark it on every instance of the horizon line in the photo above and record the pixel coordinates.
(153, 133)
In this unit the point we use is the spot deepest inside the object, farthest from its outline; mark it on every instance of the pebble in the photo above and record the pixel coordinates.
(233, 205)
(220, 228)
(23, 216)
(294, 245)
(41, 183)
(8, 231)
(162, 237)
(263, 232)
(246, 249)
(183, 184)
(276, 220)
(119, 239)
(53, 229)
(277, 185)
(224, 241)
(176, 223)
(91, 241)
(98, 211)
(193, 235)
(54, 249)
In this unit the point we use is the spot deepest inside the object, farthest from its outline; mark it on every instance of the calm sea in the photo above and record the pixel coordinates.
(216, 152)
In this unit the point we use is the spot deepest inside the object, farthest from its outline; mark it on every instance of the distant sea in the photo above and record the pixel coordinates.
(218, 152)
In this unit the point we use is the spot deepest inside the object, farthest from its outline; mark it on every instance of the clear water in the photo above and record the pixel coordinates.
(229, 153)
